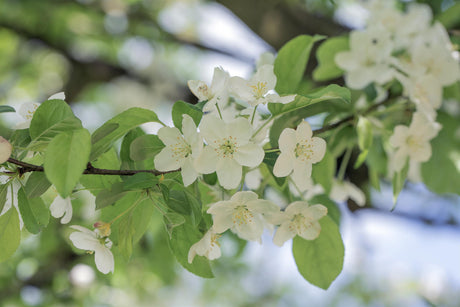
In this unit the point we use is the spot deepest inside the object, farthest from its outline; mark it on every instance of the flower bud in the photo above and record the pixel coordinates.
(5, 150)
(102, 229)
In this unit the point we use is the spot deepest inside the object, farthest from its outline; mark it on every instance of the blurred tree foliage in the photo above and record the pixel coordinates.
(121, 53)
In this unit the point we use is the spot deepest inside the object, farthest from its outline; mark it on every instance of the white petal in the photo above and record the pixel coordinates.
(287, 140)
(265, 74)
(312, 232)
(295, 208)
(104, 260)
(301, 174)
(241, 88)
(251, 230)
(5, 150)
(206, 162)
(199, 89)
(188, 172)
(283, 233)
(219, 80)
(249, 155)
(244, 196)
(303, 131)
(60, 95)
(212, 129)
(84, 241)
(315, 212)
(319, 149)
(399, 136)
(189, 129)
(229, 173)
(170, 136)
(422, 154)
(240, 129)
(166, 161)
(284, 164)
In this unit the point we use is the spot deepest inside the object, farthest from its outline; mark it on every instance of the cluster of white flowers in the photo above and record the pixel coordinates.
(409, 47)
(247, 216)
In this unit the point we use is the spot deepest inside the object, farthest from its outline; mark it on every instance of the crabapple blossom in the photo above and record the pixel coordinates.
(299, 150)
(413, 141)
(27, 110)
(342, 190)
(299, 218)
(256, 90)
(216, 93)
(180, 150)
(5, 150)
(91, 241)
(208, 247)
(244, 214)
(228, 149)
(62, 207)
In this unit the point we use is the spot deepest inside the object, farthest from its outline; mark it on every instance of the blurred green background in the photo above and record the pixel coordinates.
(110, 55)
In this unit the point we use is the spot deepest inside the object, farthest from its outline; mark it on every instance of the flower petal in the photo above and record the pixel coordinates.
(104, 260)
(301, 174)
(244, 196)
(284, 164)
(206, 162)
(312, 232)
(212, 129)
(249, 155)
(287, 140)
(303, 131)
(170, 136)
(229, 173)
(319, 149)
(166, 160)
(283, 233)
(188, 172)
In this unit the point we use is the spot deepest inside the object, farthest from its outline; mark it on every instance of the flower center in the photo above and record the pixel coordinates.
(242, 215)
(214, 238)
(204, 90)
(227, 147)
(304, 150)
(259, 89)
(299, 223)
(414, 143)
(181, 149)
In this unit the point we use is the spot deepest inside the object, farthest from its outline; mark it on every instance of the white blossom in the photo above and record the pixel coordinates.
(5, 150)
(298, 219)
(228, 149)
(244, 214)
(181, 150)
(217, 93)
(342, 190)
(413, 141)
(299, 150)
(27, 110)
(259, 89)
(62, 207)
(208, 247)
(89, 240)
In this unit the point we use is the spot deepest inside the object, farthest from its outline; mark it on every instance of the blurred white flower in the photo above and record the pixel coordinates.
(299, 150)
(256, 90)
(342, 190)
(299, 219)
(62, 207)
(266, 58)
(215, 94)
(244, 214)
(228, 148)
(5, 150)
(89, 240)
(180, 151)
(27, 110)
(413, 141)
(208, 247)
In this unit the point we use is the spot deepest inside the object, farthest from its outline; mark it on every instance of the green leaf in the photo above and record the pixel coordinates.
(330, 92)
(125, 236)
(441, 173)
(182, 238)
(320, 261)
(104, 131)
(185, 203)
(33, 212)
(66, 158)
(10, 233)
(47, 115)
(181, 107)
(66, 125)
(145, 147)
(36, 185)
(140, 181)
(5, 109)
(450, 17)
(364, 131)
(3, 193)
(399, 178)
(126, 121)
(173, 220)
(323, 172)
(270, 160)
(109, 197)
(327, 69)
(291, 62)
(97, 183)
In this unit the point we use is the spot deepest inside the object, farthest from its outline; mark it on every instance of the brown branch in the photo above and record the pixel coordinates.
(90, 170)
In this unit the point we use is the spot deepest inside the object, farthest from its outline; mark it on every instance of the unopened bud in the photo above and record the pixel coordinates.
(5, 150)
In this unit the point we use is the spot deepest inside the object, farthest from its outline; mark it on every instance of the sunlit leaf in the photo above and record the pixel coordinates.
(33, 212)
(10, 234)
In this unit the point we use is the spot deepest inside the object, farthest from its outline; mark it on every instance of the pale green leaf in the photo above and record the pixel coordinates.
(327, 69)
(181, 107)
(145, 147)
(10, 234)
(33, 212)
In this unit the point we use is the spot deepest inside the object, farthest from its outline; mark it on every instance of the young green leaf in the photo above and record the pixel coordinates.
(327, 69)
(109, 197)
(291, 62)
(323, 172)
(5, 109)
(145, 147)
(181, 107)
(333, 210)
(10, 233)
(182, 238)
(125, 236)
(126, 121)
(33, 212)
(140, 181)
(3, 192)
(66, 158)
(320, 261)
(36, 185)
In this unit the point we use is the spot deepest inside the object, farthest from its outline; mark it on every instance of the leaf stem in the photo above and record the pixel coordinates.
(344, 164)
